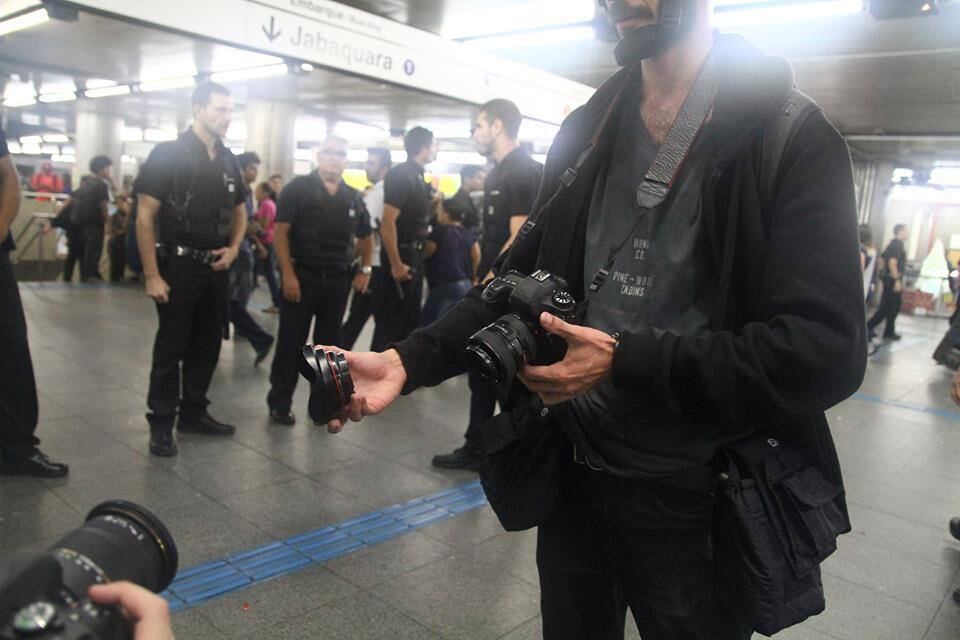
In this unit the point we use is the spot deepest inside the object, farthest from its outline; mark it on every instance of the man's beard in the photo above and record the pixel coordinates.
(620, 11)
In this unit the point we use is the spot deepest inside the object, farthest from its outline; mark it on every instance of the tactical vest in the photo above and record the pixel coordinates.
(187, 222)
(326, 226)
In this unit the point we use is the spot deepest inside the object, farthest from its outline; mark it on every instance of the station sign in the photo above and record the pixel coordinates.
(339, 37)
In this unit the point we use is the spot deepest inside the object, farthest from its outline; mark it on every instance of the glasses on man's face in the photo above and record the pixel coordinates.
(339, 153)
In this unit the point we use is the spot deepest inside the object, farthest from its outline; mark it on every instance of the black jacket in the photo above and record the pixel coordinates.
(792, 340)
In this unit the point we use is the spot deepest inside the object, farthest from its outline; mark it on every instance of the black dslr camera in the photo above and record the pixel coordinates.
(330, 383)
(499, 350)
(44, 595)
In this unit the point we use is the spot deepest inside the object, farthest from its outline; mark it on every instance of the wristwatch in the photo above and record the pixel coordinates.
(366, 270)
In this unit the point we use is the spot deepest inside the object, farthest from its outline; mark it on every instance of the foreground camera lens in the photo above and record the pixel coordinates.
(498, 350)
(331, 385)
(119, 541)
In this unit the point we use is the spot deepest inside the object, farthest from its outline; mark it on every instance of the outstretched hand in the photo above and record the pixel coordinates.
(377, 381)
(589, 359)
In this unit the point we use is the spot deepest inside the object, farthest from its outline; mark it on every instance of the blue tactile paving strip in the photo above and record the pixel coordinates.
(912, 406)
(220, 577)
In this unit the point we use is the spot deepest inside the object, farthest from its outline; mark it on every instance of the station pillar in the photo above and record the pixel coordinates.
(270, 133)
(99, 132)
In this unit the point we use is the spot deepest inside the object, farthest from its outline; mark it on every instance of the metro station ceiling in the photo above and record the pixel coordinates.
(893, 86)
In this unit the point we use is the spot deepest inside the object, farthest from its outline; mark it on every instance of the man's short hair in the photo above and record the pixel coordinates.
(332, 137)
(99, 163)
(275, 177)
(898, 228)
(416, 139)
(453, 209)
(248, 158)
(203, 92)
(506, 112)
(470, 170)
(382, 154)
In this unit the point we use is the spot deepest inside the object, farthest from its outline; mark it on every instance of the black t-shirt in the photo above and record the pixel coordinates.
(405, 189)
(894, 250)
(87, 209)
(7, 243)
(662, 281)
(175, 168)
(510, 190)
(451, 262)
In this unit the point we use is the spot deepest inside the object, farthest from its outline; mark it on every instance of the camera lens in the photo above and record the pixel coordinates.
(497, 351)
(119, 541)
(331, 385)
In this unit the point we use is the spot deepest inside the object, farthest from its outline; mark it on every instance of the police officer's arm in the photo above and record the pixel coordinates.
(228, 254)
(363, 246)
(154, 285)
(9, 195)
(474, 262)
(396, 193)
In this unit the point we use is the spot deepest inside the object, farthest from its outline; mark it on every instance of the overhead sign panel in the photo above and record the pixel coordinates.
(340, 37)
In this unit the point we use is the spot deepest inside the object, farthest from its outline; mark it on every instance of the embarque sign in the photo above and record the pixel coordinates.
(333, 35)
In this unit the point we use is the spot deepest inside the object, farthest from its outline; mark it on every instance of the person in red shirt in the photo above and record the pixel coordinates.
(266, 217)
(46, 181)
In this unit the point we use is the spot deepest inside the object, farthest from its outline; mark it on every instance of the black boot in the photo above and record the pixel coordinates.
(462, 458)
(205, 423)
(35, 464)
(162, 442)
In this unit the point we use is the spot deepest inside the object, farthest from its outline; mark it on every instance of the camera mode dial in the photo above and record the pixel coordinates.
(562, 299)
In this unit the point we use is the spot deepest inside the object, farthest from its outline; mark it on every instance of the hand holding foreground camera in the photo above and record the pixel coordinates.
(377, 378)
(148, 613)
(589, 359)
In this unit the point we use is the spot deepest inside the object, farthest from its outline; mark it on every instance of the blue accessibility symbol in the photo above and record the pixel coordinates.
(409, 67)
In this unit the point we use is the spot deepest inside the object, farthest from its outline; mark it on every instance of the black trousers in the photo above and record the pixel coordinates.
(90, 252)
(323, 295)
(189, 333)
(483, 404)
(617, 543)
(399, 312)
(888, 310)
(118, 257)
(362, 306)
(74, 252)
(18, 389)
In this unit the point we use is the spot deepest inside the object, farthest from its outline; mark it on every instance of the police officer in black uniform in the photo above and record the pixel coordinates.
(508, 195)
(407, 208)
(320, 220)
(18, 387)
(190, 222)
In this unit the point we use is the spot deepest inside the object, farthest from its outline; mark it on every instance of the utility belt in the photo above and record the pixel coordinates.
(203, 256)
(412, 252)
(326, 270)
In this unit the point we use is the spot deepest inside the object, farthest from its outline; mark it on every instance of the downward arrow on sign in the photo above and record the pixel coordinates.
(272, 33)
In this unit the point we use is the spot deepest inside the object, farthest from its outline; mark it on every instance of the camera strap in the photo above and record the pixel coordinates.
(670, 157)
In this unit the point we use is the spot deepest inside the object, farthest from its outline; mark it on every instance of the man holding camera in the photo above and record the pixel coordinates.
(18, 390)
(709, 316)
(321, 221)
(508, 195)
(191, 220)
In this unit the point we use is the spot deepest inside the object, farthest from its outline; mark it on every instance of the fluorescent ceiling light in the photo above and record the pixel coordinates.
(250, 73)
(786, 13)
(169, 83)
(932, 195)
(63, 96)
(18, 94)
(23, 21)
(237, 150)
(306, 66)
(68, 150)
(125, 159)
(31, 139)
(19, 102)
(946, 176)
(99, 83)
(901, 174)
(116, 90)
(460, 157)
(63, 157)
(132, 134)
(56, 137)
(31, 149)
(14, 148)
(534, 38)
(50, 149)
(531, 14)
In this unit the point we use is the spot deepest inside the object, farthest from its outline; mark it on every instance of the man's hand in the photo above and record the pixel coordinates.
(291, 287)
(377, 381)
(955, 388)
(158, 289)
(262, 252)
(401, 272)
(149, 613)
(225, 257)
(589, 360)
(361, 282)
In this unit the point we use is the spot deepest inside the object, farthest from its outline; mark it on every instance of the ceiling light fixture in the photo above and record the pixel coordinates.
(31, 139)
(104, 92)
(62, 96)
(250, 73)
(24, 21)
(56, 138)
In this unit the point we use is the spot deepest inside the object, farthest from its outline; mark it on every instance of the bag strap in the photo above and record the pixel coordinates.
(778, 136)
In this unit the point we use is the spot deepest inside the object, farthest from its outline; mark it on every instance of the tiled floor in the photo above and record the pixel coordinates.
(899, 441)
